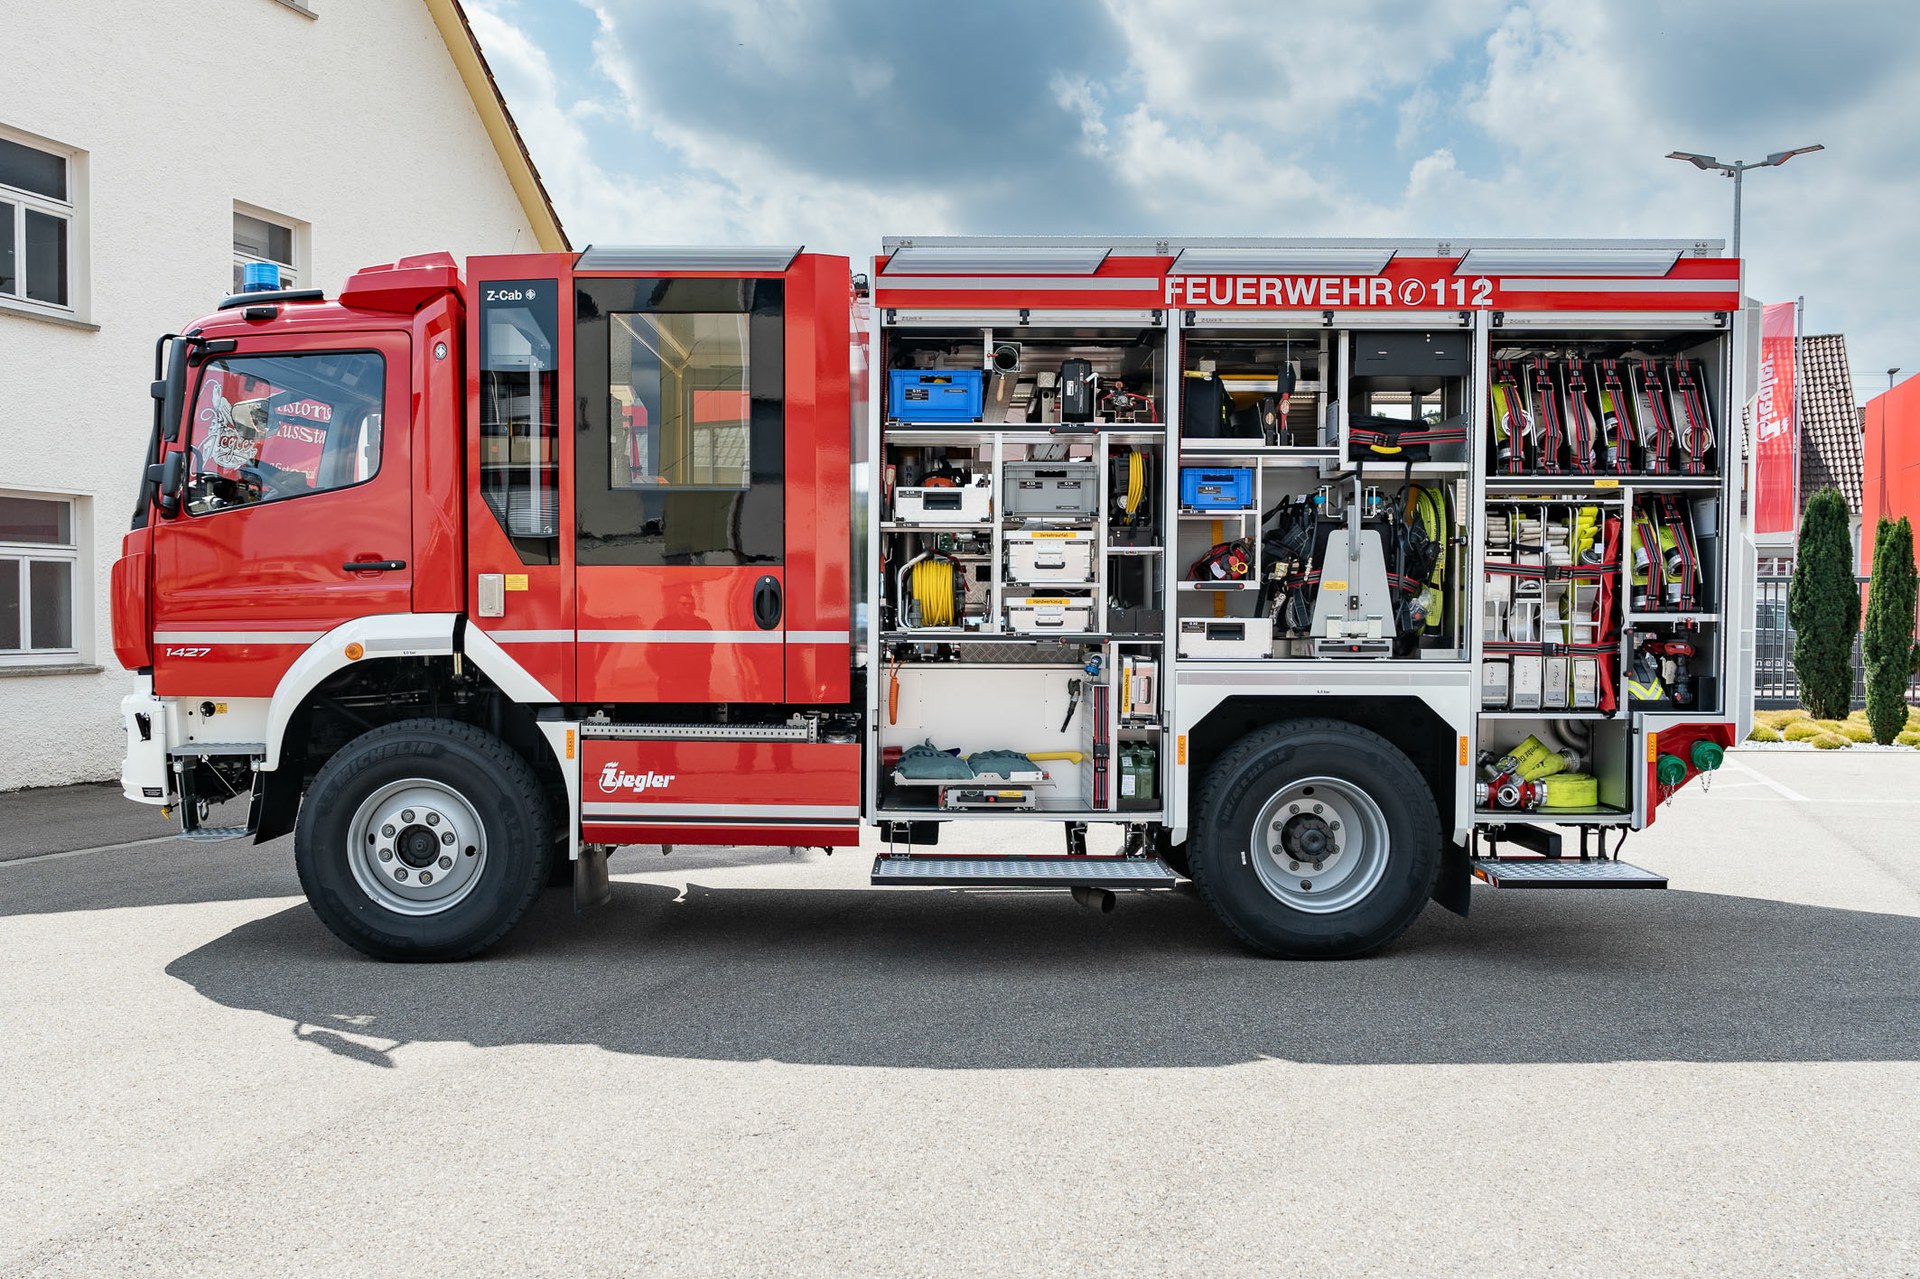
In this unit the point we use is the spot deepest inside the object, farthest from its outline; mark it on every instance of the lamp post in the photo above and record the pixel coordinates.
(1890, 372)
(1735, 169)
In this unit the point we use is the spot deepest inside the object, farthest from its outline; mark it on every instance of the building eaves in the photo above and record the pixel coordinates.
(491, 106)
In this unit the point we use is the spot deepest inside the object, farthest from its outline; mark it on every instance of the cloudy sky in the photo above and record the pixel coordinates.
(834, 122)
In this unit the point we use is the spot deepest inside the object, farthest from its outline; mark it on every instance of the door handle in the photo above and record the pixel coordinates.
(372, 566)
(766, 603)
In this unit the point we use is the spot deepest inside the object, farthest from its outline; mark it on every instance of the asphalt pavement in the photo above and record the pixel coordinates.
(752, 1063)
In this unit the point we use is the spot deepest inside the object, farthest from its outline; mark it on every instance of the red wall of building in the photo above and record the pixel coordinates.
(1891, 485)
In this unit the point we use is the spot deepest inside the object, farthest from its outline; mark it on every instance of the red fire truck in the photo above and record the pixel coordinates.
(1331, 575)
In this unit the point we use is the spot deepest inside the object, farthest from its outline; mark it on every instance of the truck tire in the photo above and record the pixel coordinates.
(1315, 791)
(423, 840)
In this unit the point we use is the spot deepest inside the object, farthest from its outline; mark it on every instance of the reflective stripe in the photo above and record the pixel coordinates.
(1510, 285)
(1073, 284)
(236, 637)
(750, 812)
(668, 637)
(681, 637)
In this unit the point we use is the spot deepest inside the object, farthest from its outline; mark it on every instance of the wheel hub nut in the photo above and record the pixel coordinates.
(446, 863)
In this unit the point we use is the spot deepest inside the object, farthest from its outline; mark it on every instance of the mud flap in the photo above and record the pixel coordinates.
(1452, 887)
(591, 884)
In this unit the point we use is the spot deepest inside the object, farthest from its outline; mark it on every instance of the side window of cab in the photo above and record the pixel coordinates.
(269, 428)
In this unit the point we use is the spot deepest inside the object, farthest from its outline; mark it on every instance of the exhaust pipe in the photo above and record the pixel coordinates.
(1096, 898)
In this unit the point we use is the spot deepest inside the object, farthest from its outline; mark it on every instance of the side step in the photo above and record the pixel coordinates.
(931, 870)
(1561, 872)
(211, 834)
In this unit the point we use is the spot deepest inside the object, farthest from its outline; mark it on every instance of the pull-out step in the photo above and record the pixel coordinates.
(1562, 872)
(929, 870)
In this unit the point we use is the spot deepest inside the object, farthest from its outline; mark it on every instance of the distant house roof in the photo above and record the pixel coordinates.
(1830, 438)
(491, 106)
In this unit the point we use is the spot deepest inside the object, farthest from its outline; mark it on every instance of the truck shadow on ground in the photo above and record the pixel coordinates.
(977, 980)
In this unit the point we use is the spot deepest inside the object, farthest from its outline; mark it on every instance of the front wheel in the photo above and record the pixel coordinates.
(1315, 839)
(426, 839)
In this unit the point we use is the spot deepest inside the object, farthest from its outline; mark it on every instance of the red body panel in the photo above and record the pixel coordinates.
(819, 572)
(1678, 742)
(132, 621)
(439, 534)
(747, 836)
(232, 581)
(641, 635)
(729, 782)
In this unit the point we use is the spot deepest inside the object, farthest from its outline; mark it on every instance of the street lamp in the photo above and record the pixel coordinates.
(1890, 372)
(1735, 169)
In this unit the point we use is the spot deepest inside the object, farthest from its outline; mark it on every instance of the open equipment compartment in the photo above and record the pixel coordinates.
(1020, 565)
(1291, 544)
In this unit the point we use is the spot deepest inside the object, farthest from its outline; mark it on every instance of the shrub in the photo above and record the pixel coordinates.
(1854, 732)
(1824, 607)
(1888, 644)
(1830, 742)
(1909, 738)
(1803, 731)
(1762, 733)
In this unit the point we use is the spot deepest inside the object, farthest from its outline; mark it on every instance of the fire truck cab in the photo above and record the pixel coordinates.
(1326, 574)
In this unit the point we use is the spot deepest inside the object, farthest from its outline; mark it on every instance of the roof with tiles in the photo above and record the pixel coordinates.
(1830, 440)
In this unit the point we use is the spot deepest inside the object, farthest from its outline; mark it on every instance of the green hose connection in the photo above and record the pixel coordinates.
(1670, 771)
(1707, 756)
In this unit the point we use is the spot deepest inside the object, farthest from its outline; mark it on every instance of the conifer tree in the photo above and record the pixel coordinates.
(1823, 607)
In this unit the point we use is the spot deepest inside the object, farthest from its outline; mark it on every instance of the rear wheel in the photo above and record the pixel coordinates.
(1315, 839)
(426, 839)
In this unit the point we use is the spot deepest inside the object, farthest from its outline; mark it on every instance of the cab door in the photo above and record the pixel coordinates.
(680, 520)
(297, 511)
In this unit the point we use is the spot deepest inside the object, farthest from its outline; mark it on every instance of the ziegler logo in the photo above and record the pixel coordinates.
(612, 779)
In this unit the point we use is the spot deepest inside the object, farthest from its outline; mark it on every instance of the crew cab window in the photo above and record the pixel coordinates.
(271, 427)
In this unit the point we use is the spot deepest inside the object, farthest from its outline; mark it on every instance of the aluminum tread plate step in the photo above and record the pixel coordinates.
(1562, 872)
(209, 834)
(932, 870)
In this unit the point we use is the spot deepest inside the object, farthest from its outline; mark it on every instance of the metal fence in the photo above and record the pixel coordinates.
(1776, 686)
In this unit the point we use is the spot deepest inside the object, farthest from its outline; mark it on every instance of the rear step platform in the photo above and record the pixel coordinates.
(1561, 872)
(932, 870)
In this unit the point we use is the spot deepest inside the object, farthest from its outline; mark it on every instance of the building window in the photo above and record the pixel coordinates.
(39, 574)
(38, 204)
(259, 236)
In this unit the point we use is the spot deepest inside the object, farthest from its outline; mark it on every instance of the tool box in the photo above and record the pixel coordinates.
(1031, 614)
(935, 395)
(1046, 556)
(1216, 488)
(1052, 488)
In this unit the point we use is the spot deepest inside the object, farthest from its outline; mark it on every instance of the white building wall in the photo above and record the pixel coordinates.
(353, 121)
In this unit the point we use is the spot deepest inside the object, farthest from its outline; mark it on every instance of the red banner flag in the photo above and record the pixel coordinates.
(1776, 456)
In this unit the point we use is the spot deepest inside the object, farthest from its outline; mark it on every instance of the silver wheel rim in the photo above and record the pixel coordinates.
(416, 847)
(1320, 845)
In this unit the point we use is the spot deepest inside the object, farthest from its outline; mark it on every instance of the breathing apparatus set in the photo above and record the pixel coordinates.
(1382, 564)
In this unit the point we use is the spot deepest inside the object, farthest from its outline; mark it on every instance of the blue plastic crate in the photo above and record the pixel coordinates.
(1216, 488)
(936, 395)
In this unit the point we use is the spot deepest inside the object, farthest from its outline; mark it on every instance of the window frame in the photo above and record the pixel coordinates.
(191, 438)
(71, 212)
(18, 557)
(291, 273)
